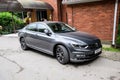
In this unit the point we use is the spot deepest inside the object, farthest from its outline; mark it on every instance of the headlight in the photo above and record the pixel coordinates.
(78, 46)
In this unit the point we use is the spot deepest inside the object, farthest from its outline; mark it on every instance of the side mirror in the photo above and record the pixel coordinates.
(47, 32)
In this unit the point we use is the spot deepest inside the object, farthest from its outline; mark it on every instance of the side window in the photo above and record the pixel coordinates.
(41, 28)
(32, 27)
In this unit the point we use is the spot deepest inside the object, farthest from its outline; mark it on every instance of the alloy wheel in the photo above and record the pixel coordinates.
(23, 44)
(62, 54)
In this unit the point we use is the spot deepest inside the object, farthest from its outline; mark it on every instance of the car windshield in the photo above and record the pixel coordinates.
(60, 27)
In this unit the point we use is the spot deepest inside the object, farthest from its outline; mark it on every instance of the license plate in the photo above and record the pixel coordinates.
(98, 50)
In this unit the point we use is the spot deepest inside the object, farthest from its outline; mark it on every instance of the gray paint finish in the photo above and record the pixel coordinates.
(76, 42)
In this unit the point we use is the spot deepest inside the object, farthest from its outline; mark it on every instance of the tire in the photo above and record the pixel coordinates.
(62, 54)
(23, 44)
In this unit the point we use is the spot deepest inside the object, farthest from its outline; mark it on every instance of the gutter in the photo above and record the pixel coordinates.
(115, 22)
(77, 1)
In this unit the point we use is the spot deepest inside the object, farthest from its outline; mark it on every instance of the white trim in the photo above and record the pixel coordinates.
(77, 1)
(115, 22)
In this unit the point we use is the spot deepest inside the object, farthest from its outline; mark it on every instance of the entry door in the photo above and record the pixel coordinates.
(41, 15)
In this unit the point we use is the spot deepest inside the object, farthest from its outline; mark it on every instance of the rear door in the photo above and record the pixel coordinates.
(31, 34)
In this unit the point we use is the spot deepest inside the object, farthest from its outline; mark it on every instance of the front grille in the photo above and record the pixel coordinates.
(94, 45)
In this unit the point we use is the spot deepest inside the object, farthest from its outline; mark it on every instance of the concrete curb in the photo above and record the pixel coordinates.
(15, 35)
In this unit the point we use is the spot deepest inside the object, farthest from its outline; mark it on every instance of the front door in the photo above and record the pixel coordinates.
(41, 15)
(44, 42)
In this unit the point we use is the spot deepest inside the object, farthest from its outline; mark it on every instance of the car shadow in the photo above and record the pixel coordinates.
(41, 53)
(84, 63)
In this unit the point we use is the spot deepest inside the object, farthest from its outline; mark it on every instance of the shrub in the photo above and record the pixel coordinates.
(118, 37)
(9, 22)
(118, 40)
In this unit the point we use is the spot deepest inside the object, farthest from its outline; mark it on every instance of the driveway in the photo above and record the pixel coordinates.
(16, 64)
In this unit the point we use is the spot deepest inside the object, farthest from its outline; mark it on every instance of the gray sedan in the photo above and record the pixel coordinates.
(60, 40)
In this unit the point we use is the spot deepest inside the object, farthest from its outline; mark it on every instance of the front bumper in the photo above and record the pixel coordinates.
(84, 56)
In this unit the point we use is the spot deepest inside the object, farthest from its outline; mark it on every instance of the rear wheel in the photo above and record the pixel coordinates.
(62, 54)
(23, 44)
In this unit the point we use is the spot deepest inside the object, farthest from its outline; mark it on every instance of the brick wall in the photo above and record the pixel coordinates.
(119, 9)
(64, 13)
(96, 18)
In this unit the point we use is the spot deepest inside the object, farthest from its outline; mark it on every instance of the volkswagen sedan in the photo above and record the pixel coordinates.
(60, 40)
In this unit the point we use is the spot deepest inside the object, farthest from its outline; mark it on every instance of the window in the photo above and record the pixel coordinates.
(32, 27)
(41, 28)
(60, 27)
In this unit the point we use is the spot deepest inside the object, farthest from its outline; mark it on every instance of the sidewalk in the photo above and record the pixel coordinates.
(11, 35)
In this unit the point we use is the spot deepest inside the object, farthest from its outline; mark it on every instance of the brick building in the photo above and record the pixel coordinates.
(97, 17)
(93, 16)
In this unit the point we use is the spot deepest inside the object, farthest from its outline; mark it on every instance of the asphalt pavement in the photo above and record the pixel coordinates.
(16, 64)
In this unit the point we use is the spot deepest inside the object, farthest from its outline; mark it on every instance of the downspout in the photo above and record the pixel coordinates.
(115, 21)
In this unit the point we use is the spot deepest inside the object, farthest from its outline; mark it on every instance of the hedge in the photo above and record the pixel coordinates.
(118, 36)
(9, 22)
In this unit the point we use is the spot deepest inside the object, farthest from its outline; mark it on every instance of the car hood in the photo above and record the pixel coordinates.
(81, 36)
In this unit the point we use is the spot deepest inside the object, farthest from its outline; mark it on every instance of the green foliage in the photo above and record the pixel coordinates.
(19, 14)
(118, 37)
(118, 40)
(119, 30)
(9, 22)
(111, 49)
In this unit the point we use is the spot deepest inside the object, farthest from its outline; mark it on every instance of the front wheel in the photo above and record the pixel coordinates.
(23, 44)
(62, 54)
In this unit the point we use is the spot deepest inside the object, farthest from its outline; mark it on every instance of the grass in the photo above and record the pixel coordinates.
(111, 49)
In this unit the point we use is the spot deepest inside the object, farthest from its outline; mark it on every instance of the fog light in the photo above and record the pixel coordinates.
(80, 56)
